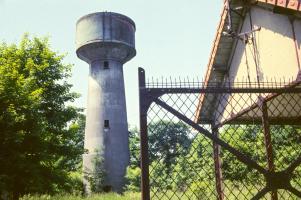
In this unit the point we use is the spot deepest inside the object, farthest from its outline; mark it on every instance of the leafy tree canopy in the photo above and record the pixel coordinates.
(40, 136)
(166, 138)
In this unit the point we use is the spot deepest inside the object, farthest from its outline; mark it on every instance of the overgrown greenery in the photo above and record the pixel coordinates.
(166, 139)
(108, 196)
(182, 159)
(41, 138)
(133, 174)
(95, 177)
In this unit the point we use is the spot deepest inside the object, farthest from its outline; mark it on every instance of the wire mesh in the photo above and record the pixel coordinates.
(264, 127)
(175, 148)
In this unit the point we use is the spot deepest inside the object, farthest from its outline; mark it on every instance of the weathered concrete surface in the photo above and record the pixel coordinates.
(106, 41)
(105, 36)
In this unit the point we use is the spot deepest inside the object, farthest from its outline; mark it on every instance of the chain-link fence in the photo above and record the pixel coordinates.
(220, 141)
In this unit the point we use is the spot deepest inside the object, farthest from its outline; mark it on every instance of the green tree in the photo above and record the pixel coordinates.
(133, 176)
(249, 139)
(40, 143)
(134, 145)
(166, 139)
(133, 173)
(195, 170)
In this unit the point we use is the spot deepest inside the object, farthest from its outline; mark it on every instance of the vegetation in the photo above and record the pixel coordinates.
(110, 196)
(134, 172)
(181, 160)
(41, 138)
(96, 177)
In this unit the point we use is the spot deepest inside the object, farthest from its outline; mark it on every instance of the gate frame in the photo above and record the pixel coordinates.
(274, 180)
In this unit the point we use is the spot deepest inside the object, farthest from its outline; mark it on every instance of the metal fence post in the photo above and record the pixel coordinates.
(267, 140)
(217, 166)
(144, 164)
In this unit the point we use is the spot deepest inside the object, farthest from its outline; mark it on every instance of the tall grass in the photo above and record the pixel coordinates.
(110, 196)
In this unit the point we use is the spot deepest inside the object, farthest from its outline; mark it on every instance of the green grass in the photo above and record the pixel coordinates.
(137, 196)
(111, 196)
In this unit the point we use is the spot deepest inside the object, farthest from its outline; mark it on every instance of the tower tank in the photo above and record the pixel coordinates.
(106, 41)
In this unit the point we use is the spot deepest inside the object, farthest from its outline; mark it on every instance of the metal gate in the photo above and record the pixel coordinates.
(220, 140)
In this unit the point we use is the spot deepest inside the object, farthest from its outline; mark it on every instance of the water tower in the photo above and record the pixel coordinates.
(106, 41)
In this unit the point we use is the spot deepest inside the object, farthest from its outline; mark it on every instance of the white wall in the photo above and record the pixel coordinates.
(277, 57)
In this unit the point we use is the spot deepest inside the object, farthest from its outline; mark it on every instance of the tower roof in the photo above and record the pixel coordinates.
(105, 35)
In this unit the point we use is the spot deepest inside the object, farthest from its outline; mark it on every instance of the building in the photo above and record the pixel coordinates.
(257, 45)
(256, 42)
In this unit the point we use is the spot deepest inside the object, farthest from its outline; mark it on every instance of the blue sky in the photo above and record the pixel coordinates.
(173, 37)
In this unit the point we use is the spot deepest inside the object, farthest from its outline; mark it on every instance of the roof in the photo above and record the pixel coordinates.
(220, 57)
(290, 4)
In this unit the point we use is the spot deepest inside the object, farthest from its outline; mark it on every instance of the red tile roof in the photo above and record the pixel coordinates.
(290, 4)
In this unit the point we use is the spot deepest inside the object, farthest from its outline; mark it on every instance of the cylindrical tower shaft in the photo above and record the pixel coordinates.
(106, 125)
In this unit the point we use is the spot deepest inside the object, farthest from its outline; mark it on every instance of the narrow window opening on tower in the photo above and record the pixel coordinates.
(106, 65)
(106, 124)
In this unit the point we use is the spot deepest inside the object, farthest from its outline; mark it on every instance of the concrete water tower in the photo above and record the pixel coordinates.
(106, 40)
